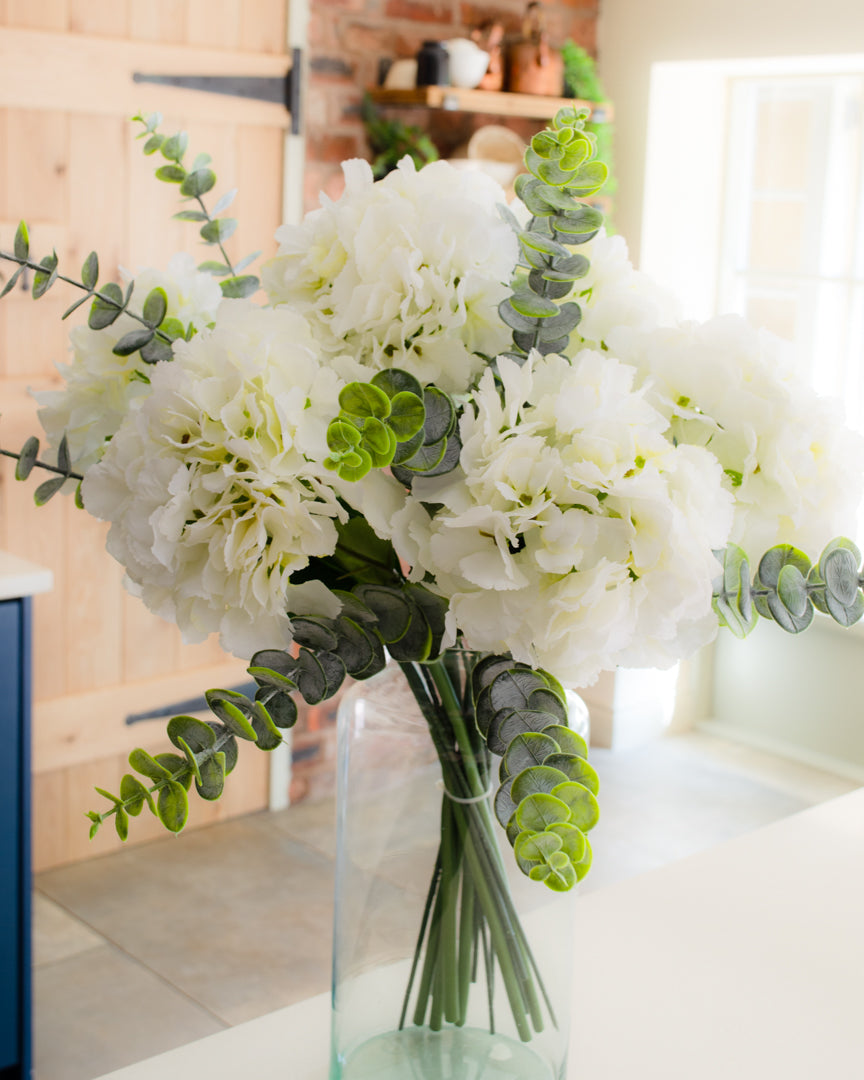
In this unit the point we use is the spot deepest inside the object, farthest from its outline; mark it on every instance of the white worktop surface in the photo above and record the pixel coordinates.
(18, 577)
(745, 962)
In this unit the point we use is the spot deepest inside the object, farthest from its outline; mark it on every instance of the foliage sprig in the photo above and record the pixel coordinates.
(28, 459)
(195, 182)
(787, 588)
(153, 341)
(562, 170)
(546, 800)
(393, 421)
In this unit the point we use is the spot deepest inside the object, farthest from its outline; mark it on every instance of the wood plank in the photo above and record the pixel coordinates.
(35, 165)
(214, 23)
(493, 102)
(44, 15)
(157, 20)
(149, 643)
(96, 77)
(263, 26)
(260, 152)
(104, 18)
(70, 730)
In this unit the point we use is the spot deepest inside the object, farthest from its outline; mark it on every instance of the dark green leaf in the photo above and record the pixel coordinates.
(133, 341)
(197, 734)
(171, 174)
(148, 766)
(21, 244)
(198, 183)
(240, 286)
(174, 147)
(90, 271)
(283, 710)
(575, 768)
(155, 307)
(532, 306)
(212, 266)
(172, 806)
(266, 730)
(232, 709)
(104, 312)
(48, 490)
(45, 278)
(121, 823)
(135, 794)
(584, 809)
(156, 351)
(214, 232)
(153, 144)
(211, 778)
(395, 381)
(27, 459)
(13, 281)
(407, 415)
(537, 778)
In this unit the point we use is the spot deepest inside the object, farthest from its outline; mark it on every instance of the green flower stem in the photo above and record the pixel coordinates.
(36, 267)
(452, 943)
(43, 465)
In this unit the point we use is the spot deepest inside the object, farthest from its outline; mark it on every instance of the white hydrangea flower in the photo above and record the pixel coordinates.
(792, 466)
(573, 534)
(100, 388)
(406, 272)
(214, 487)
(614, 294)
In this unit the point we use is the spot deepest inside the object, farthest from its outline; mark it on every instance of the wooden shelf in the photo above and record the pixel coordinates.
(495, 102)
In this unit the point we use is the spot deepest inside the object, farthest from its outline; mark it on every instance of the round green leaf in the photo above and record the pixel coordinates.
(539, 811)
(583, 806)
(363, 400)
(172, 806)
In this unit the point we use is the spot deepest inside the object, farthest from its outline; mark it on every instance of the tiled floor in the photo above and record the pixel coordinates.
(162, 944)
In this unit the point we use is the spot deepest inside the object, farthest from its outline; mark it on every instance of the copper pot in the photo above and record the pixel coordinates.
(532, 66)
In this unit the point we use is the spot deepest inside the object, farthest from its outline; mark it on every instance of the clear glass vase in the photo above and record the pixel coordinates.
(448, 963)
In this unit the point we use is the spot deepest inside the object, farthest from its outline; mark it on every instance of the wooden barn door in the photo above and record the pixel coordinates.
(71, 167)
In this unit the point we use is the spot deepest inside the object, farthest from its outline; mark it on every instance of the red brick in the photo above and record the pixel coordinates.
(438, 11)
(331, 149)
(357, 38)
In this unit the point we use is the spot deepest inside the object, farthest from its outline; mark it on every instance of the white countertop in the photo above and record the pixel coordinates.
(745, 962)
(18, 577)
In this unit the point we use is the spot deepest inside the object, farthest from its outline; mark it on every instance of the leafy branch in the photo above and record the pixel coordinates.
(787, 588)
(28, 459)
(393, 421)
(153, 340)
(195, 183)
(562, 170)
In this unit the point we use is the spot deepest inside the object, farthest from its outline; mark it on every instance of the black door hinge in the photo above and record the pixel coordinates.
(284, 90)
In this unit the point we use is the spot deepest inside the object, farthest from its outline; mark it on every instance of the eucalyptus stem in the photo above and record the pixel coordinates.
(205, 211)
(43, 465)
(471, 860)
(94, 293)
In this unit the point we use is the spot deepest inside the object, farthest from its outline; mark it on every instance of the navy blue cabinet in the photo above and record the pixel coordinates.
(15, 872)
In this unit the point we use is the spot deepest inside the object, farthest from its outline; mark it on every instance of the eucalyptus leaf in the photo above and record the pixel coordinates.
(27, 458)
(172, 806)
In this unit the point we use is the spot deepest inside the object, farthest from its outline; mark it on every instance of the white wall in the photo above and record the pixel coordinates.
(634, 34)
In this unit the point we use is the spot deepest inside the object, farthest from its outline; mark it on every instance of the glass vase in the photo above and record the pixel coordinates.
(448, 963)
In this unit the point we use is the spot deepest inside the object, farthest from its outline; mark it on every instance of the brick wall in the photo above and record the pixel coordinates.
(349, 39)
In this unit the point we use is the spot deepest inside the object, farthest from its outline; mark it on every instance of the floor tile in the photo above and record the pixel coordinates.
(57, 934)
(236, 917)
(100, 1010)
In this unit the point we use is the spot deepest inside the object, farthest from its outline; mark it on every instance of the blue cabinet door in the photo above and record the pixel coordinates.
(14, 841)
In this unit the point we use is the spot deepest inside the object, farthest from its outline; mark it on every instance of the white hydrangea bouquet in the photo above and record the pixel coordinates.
(469, 437)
